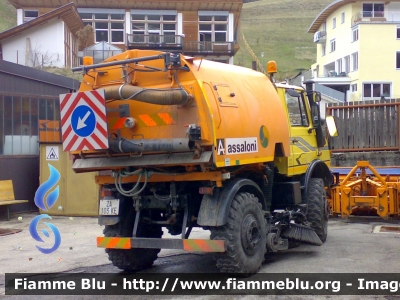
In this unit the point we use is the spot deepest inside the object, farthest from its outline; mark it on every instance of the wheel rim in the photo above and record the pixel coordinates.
(250, 234)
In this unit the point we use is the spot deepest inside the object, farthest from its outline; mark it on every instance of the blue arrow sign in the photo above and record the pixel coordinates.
(83, 121)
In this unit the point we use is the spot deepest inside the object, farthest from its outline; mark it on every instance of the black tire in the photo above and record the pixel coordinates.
(245, 236)
(318, 208)
(133, 259)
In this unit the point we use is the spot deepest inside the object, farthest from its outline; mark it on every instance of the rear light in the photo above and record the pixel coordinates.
(205, 190)
(105, 192)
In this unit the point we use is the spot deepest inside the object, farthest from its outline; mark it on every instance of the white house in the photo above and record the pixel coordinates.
(48, 40)
(358, 48)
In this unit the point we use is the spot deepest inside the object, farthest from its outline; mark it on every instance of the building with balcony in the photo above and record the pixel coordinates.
(358, 49)
(193, 27)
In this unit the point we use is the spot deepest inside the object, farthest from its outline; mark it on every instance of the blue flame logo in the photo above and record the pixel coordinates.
(45, 203)
(46, 187)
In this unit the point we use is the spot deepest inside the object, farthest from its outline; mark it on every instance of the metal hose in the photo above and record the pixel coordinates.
(152, 96)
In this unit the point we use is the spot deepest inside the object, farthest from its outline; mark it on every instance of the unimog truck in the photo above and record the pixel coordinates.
(181, 142)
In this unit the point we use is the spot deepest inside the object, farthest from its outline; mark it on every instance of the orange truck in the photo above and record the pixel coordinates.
(182, 142)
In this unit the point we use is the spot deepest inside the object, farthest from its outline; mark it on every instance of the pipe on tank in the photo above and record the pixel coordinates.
(151, 145)
(152, 96)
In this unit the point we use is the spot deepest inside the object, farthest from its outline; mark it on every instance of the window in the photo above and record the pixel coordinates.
(398, 60)
(333, 45)
(213, 28)
(334, 23)
(346, 67)
(109, 28)
(296, 109)
(30, 15)
(339, 66)
(354, 61)
(373, 10)
(324, 26)
(355, 35)
(25, 120)
(323, 50)
(343, 17)
(353, 88)
(376, 90)
(154, 28)
(398, 32)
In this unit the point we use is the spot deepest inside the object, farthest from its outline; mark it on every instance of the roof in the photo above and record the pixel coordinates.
(180, 5)
(325, 13)
(38, 75)
(67, 13)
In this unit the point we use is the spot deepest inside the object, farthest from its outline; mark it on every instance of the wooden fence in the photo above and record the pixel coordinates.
(366, 126)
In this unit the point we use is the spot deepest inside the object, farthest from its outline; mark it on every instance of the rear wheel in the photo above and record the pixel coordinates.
(132, 259)
(244, 234)
(318, 208)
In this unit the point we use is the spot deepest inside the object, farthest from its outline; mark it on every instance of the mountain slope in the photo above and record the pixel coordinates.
(8, 15)
(279, 29)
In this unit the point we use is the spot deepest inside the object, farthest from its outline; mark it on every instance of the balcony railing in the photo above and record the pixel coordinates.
(376, 16)
(154, 41)
(329, 92)
(177, 43)
(217, 48)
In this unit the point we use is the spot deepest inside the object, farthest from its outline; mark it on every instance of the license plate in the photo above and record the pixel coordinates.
(109, 207)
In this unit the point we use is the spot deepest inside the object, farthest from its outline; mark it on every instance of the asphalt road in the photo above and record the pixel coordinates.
(352, 247)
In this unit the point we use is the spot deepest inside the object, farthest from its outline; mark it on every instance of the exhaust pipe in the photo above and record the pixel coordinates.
(151, 145)
(151, 96)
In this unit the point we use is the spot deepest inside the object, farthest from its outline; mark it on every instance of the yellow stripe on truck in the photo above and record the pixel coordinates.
(159, 119)
(114, 243)
(204, 245)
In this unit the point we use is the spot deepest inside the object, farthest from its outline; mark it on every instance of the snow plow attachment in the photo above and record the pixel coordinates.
(365, 191)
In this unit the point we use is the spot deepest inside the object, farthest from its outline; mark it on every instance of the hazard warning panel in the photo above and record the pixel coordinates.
(52, 153)
(83, 121)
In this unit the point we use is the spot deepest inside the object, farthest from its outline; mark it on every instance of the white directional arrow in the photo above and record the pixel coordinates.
(81, 122)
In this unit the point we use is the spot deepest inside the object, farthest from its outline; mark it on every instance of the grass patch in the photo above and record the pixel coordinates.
(279, 29)
(8, 15)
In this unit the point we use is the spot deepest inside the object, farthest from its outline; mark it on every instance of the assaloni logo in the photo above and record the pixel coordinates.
(45, 203)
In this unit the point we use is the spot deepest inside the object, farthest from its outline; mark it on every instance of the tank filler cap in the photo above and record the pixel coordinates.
(130, 122)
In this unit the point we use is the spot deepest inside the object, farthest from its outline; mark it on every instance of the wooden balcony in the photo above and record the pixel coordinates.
(176, 43)
(171, 43)
(208, 48)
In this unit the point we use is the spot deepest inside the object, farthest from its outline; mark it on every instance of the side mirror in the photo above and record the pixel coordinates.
(332, 129)
(317, 97)
(293, 93)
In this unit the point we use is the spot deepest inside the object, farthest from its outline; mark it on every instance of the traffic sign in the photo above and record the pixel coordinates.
(83, 121)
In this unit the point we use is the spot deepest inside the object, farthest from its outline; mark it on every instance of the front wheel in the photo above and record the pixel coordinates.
(318, 208)
(244, 234)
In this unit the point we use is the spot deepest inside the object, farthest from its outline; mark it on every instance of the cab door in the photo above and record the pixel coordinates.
(303, 145)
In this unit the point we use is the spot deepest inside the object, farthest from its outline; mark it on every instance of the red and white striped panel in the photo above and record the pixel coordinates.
(98, 139)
